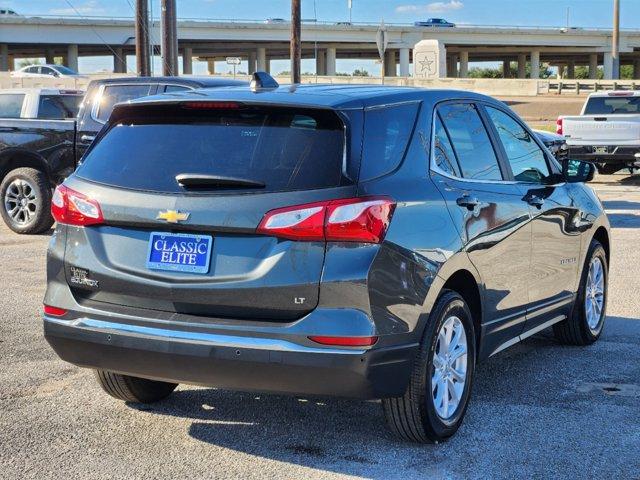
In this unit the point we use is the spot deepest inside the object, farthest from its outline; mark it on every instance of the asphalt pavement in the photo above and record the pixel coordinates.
(538, 410)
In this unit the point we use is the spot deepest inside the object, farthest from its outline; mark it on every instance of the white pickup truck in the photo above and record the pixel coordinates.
(607, 132)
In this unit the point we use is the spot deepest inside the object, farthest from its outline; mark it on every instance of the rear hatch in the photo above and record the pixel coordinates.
(606, 120)
(182, 188)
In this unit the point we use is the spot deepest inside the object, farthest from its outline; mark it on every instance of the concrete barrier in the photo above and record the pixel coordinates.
(502, 87)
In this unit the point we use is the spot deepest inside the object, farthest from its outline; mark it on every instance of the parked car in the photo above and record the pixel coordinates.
(9, 12)
(607, 131)
(555, 143)
(275, 20)
(46, 71)
(38, 150)
(284, 247)
(434, 22)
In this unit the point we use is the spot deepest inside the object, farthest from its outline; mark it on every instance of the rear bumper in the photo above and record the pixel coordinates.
(615, 155)
(234, 362)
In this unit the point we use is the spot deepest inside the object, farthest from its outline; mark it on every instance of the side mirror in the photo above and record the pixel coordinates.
(576, 171)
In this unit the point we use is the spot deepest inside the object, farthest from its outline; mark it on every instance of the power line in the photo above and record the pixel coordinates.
(104, 42)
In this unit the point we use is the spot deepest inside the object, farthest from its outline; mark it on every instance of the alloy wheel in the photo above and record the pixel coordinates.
(594, 293)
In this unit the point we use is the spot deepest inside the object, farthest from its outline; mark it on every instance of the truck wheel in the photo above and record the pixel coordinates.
(133, 389)
(26, 201)
(584, 325)
(607, 168)
(436, 399)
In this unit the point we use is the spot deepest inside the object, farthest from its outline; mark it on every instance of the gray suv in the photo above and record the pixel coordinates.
(356, 241)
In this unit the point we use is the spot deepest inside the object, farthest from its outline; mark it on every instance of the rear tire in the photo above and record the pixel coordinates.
(417, 416)
(581, 328)
(25, 201)
(608, 169)
(133, 389)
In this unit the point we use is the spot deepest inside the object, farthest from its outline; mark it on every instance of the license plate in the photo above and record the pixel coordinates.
(601, 149)
(179, 252)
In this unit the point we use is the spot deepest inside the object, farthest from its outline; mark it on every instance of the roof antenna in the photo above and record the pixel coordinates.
(261, 80)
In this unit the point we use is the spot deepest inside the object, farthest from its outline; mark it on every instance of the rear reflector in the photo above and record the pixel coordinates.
(559, 126)
(345, 341)
(364, 219)
(54, 311)
(75, 208)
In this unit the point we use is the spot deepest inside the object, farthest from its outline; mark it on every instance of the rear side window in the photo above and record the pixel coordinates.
(611, 105)
(11, 105)
(175, 88)
(284, 149)
(443, 151)
(386, 134)
(59, 106)
(113, 94)
(470, 141)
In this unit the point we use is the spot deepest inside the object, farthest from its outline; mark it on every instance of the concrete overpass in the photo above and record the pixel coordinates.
(259, 42)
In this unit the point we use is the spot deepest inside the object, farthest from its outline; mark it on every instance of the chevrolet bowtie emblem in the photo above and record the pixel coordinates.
(172, 216)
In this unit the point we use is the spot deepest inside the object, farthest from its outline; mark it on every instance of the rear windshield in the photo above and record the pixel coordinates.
(284, 149)
(611, 105)
(59, 106)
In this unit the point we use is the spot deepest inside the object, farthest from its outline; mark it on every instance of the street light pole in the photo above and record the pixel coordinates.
(615, 40)
(142, 38)
(296, 46)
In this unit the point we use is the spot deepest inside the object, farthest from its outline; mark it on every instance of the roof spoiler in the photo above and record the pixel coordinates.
(262, 80)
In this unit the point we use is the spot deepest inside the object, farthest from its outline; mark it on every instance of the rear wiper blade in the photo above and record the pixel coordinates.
(200, 180)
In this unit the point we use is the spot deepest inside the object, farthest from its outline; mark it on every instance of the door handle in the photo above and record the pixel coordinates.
(469, 202)
(535, 201)
(87, 138)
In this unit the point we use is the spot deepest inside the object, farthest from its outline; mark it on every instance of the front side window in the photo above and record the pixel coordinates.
(470, 141)
(47, 71)
(113, 94)
(527, 159)
(11, 105)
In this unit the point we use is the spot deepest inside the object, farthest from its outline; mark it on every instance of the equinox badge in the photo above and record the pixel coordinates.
(173, 216)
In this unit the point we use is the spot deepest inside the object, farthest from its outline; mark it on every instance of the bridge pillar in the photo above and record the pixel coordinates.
(321, 62)
(4, 57)
(72, 57)
(593, 66)
(252, 62)
(636, 69)
(522, 66)
(506, 69)
(608, 66)
(404, 62)
(464, 65)
(261, 58)
(331, 61)
(211, 66)
(535, 64)
(187, 60)
(571, 69)
(119, 61)
(49, 56)
(390, 69)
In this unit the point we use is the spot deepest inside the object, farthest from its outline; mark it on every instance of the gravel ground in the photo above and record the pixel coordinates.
(538, 410)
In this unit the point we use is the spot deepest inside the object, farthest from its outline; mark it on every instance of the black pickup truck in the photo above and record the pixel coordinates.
(42, 141)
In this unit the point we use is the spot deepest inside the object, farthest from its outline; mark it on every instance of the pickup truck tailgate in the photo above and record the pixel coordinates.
(614, 129)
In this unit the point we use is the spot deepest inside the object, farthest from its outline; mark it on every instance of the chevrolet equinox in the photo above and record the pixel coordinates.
(357, 241)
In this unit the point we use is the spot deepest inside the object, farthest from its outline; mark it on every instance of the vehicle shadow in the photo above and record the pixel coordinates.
(349, 436)
(624, 220)
(621, 205)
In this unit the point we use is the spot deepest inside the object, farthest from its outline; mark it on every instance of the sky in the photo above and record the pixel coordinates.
(581, 13)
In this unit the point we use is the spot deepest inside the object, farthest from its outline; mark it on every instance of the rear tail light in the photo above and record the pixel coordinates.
(54, 311)
(210, 105)
(345, 341)
(559, 126)
(363, 219)
(75, 208)
(620, 94)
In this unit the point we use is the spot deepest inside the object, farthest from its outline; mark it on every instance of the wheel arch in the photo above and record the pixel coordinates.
(602, 236)
(12, 158)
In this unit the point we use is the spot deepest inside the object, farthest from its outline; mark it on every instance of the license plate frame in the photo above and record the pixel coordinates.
(155, 255)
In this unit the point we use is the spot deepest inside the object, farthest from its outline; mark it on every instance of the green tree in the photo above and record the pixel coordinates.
(360, 73)
(25, 62)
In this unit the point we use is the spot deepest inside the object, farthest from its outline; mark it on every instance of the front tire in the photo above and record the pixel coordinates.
(133, 389)
(585, 323)
(436, 399)
(25, 194)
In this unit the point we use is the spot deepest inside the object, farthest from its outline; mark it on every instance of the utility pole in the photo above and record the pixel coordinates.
(142, 38)
(296, 46)
(615, 40)
(169, 46)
